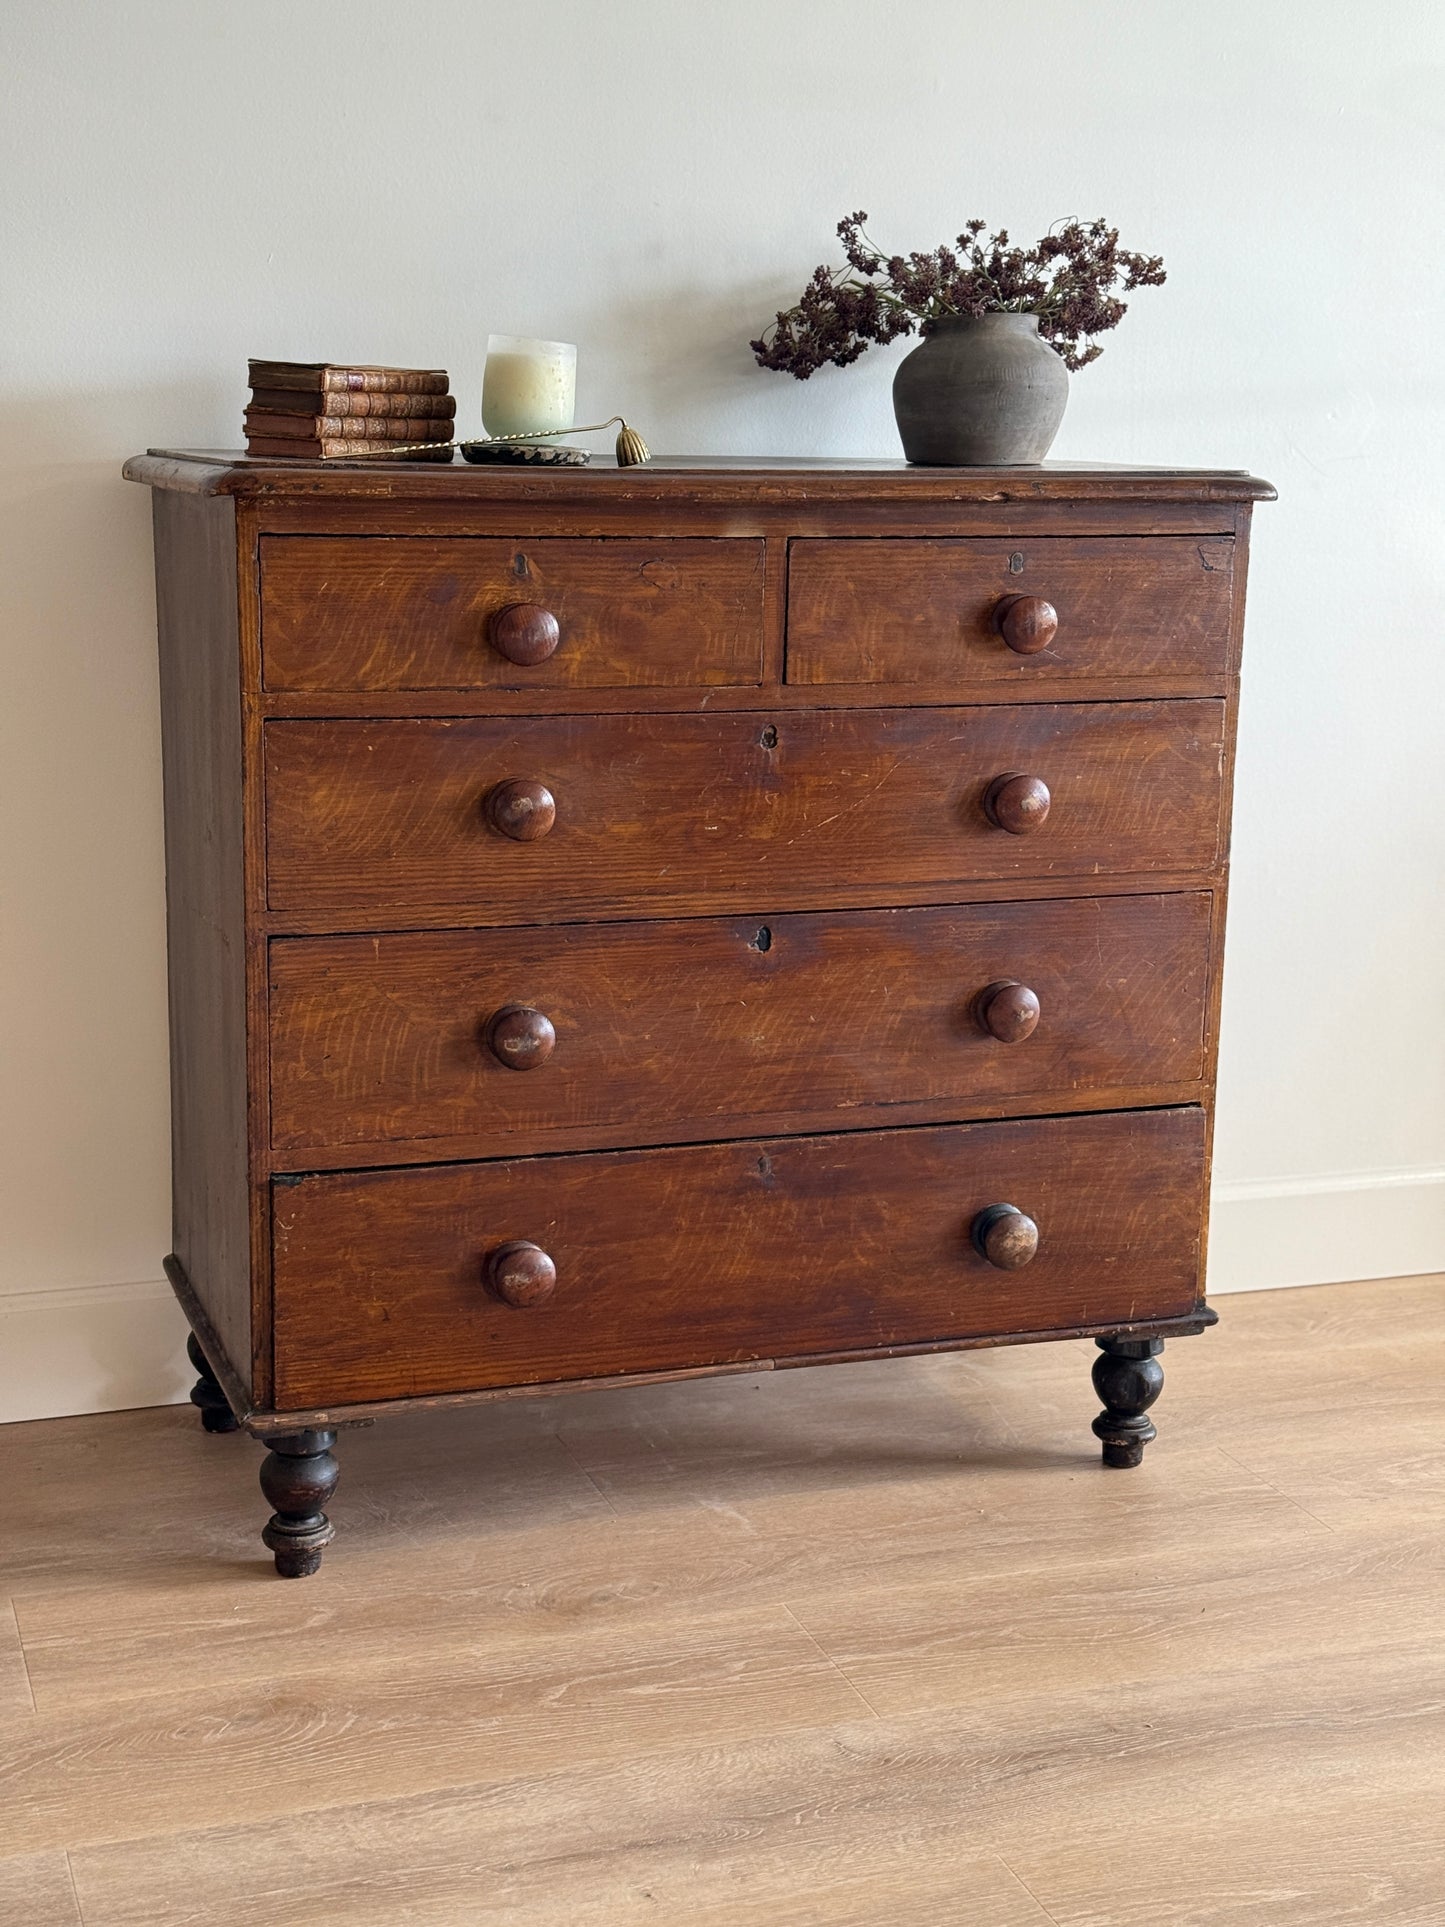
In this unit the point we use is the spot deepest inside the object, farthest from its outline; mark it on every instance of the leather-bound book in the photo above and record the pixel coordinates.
(295, 449)
(305, 405)
(348, 428)
(324, 377)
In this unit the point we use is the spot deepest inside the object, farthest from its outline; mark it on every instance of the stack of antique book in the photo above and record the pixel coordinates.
(318, 410)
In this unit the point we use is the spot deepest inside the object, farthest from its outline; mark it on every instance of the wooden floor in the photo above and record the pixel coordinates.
(876, 1644)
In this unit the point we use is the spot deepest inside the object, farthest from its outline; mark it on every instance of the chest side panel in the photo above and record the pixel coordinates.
(201, 718)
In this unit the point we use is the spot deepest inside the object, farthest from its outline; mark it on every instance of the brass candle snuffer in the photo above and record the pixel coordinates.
(532, 447)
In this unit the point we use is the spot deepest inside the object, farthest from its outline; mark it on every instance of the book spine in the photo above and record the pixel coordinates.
(298, 406)
(315, 379)
(333, 450)
(344, 451)
(385, 381)
(350, 428)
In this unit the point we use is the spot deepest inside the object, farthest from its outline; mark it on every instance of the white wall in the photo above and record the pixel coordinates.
(189, 182)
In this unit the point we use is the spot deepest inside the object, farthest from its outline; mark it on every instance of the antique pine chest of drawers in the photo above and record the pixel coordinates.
(646, 923)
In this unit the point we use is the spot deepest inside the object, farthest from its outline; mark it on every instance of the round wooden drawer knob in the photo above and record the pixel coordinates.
(1017, 804)
(522, 809)
(1027, 623)
(1009, 1011)
(520, 1037)
(521, 1274)
(524, 633)
(1006, 1236)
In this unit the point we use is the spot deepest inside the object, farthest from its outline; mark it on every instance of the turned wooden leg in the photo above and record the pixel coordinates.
(206, 1393)
(298, 1476)
(1128, 1378)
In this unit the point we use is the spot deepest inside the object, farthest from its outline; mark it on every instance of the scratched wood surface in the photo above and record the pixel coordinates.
(725, 1252)
(399, 709)
(667, 1031)
(736, 482)
(827, 1649)
(918, 612)
(691, 814)
(201, 727)
(353, 613)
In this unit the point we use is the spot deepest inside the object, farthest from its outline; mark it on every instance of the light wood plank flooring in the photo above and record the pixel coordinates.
(881, 1644)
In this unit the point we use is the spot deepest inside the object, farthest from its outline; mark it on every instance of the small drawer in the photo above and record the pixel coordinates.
(486, 1043)
(471, 612)
(543, 819)
(393, 1284)
(1048, 611)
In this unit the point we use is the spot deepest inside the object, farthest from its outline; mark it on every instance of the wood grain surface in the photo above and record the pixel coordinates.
(720, 1252)
(414, 612)
(201, 727)
(796, 482)
(829, 1650)
(667, 1028)
(898, 611)
(379, 822)
(456, 729)
(38, 1890)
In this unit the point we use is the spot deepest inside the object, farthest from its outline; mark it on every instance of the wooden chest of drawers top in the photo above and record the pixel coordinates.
(836, 849)
(388, 588)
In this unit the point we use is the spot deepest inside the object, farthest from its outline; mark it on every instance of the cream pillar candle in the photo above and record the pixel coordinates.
(529, 386)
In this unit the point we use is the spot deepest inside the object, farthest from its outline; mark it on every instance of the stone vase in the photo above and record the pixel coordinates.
(984, 393)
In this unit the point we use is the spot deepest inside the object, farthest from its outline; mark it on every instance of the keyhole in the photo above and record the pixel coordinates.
(1016, 563)
(520, 566)
(769, 737)
(764, 939)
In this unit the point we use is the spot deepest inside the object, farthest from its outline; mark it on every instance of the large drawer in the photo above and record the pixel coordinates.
(889, 610)
(408, 1044)
(387, 821)
(721, 1253)
(431, 612)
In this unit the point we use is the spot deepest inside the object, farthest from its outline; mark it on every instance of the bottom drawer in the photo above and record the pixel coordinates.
(720, 1253)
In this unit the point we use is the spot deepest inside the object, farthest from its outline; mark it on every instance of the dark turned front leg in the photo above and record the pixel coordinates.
(298, 1476)
(1128, 1378)
(206, 1393)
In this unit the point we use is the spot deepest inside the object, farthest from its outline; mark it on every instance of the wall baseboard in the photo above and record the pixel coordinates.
(1326, 1231)
(109, 1348)
(94, 1348)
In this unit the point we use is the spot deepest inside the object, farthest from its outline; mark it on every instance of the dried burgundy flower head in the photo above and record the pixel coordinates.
(1067, 279)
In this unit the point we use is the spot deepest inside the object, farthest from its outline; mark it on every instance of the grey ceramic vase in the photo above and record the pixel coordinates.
(985, 393)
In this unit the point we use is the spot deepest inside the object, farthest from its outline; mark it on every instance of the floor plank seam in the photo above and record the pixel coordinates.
(24, 1656)
(1014, 1875)
(852, 1685)
(1274, 1488)
(74, 1890)
(573, 1459)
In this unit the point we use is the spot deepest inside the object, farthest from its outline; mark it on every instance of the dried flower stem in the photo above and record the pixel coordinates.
(1067, 279)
